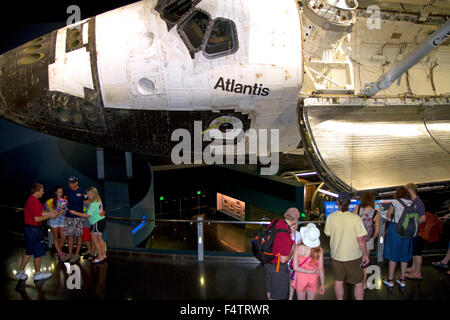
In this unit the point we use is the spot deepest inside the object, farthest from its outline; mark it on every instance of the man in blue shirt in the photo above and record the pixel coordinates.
(74, 222)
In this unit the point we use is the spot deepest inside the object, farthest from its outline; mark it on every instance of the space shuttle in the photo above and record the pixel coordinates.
(363, 93)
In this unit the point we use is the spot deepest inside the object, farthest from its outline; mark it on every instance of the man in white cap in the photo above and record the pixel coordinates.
(347, 248)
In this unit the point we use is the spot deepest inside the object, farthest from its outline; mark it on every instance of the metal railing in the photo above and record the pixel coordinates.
(200, 221)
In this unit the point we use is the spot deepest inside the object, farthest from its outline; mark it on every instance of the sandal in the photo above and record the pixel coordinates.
(87, 255)
(440, 265)
(96, 261)
(401, 282)
(412, 277)
(92, 257)
(388, 282)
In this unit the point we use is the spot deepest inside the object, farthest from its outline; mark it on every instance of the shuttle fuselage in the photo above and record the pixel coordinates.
(126, 79)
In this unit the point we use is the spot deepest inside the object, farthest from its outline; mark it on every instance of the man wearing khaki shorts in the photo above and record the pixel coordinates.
(348, 248)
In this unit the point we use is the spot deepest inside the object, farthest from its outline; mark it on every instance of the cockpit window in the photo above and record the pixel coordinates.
(176, 10)
(199, 33)
(222, 39)
(194, 28)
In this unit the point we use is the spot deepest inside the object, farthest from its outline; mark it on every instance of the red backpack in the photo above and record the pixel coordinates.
(431, 228)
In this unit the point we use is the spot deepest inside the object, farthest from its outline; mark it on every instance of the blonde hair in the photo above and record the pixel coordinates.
(412, 186)
(95, 195)
(315, 253)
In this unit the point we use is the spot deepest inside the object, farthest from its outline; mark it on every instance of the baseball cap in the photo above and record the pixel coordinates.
(72, 179)
(344, 196)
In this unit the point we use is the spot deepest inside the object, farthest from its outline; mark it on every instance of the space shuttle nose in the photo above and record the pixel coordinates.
(38, 88)
(23, 76)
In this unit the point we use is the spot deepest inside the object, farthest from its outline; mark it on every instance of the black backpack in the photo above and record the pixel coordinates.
(408, 224)
(262, 244)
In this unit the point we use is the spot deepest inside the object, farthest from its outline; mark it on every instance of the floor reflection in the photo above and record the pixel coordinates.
(129, 277)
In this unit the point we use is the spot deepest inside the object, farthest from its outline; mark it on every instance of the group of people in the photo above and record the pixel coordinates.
(298, 259)
(398, 249)
(297, 266)
(72, 213)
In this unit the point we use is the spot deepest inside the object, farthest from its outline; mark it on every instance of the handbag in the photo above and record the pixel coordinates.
(431, 228)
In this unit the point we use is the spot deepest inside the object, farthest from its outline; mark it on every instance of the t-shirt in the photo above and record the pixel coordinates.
(60, 208)
(75, 201)
(94, 210)
(283, 240)
(343, 229)
(398, 208)
(420, 206)
(296, 237)
(33, 208)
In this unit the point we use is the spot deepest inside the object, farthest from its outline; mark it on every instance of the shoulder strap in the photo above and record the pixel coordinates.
(276, 230)
(304, 261)
(375, 212)
(284, 230)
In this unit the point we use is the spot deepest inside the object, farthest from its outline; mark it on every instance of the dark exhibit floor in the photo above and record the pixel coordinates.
(145, 276)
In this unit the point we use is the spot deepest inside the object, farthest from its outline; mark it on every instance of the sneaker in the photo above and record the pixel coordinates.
(65, 258)
(388, 282)
(74, 259)
(401, 283)
(21, 275)
(41, 276)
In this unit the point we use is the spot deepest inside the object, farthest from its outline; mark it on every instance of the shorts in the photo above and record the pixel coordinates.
(306, 282)
(348, 271)
(277, 283)
(73, 227)
(34, 241)
(57, 222)
(86, 235)
(418, 245)
(98, 227)
(86, 223)
(370, 244)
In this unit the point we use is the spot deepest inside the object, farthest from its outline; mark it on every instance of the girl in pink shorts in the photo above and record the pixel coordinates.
(308, 264)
